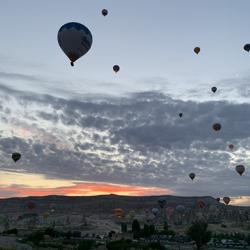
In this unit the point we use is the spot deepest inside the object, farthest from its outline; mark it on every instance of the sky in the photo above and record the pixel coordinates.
(85, 130)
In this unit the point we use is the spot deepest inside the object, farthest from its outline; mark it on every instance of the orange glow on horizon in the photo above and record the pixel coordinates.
(86, 189)
(16, 184)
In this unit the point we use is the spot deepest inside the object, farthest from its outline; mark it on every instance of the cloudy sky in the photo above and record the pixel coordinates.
(84, 130)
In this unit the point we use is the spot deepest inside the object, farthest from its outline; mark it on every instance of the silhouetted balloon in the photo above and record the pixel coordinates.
(119, 213)
(75, 40)
(116, 68)
(226, 200)
(155, 211)
(197, 50)
(200, 204)
(247, 47)
(31, 205)
(104, 12)
(180, 114)
(240, 169)
(192, 176)
(214, 89)
(231, 146)
(170, 212)
(162, 203)
(180, 208)
(218, 199)
(16, 156)
(217, 127)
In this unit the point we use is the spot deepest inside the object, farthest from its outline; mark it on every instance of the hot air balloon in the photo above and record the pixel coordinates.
(192, 176)
(247, 47)
(170, 212)
(46, 215)
(16, 156)
(131, 214)
(119, 213)
(104, 12)
(240, 169)
(155, 211)
(214, 89)
(218, 199)
(180, 114)
(231, 146)
(216, 127)
(201, 204)
(31, 205)
(226, 200)
(75, 40)
(116, 68)
(197, 50)
(162, 203)
(180, 208)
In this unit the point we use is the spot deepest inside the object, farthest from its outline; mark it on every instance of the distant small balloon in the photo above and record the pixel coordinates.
(180, 208)
(218, 199)
(240, 169)
(217, 127)
(214, 89)
(16, 156)
(162, 203)
(192, 176)
(231, 146)
(226, 200)
(197, 50)
(104, 12)
(201, 204)
(155, 211)
(247, 47)
(31, 205)
(180, 114)
(116, 68)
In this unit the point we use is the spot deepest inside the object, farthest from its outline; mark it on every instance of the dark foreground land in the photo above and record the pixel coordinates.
(120, 222)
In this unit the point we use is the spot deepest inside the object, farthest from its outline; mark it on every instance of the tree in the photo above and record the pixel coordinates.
(85, 245)
(146, 232)
(198, 232)
(152, 229)
(136, 229)
(136, 226)
(124, 227)
(166, 228)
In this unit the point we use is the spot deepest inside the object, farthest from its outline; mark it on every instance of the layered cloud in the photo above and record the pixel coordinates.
(136, 140)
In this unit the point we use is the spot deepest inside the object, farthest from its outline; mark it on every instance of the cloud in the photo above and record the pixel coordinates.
(134, 140)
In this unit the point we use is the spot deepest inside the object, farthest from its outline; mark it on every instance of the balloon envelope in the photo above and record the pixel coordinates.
(200, 204)
(31, 205)
(16, 156)
(155, 211)
(231, 146)
(75, 40)
(170, 212)
(197, 50)
(216, 126)
(162, 203)
(214, 89)
(116, 68)
(180, 114)
(247, 47)
(218, 199)
(180, 208)
(192, 176)
(240, 169)
(104, 12)
(226, 200)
